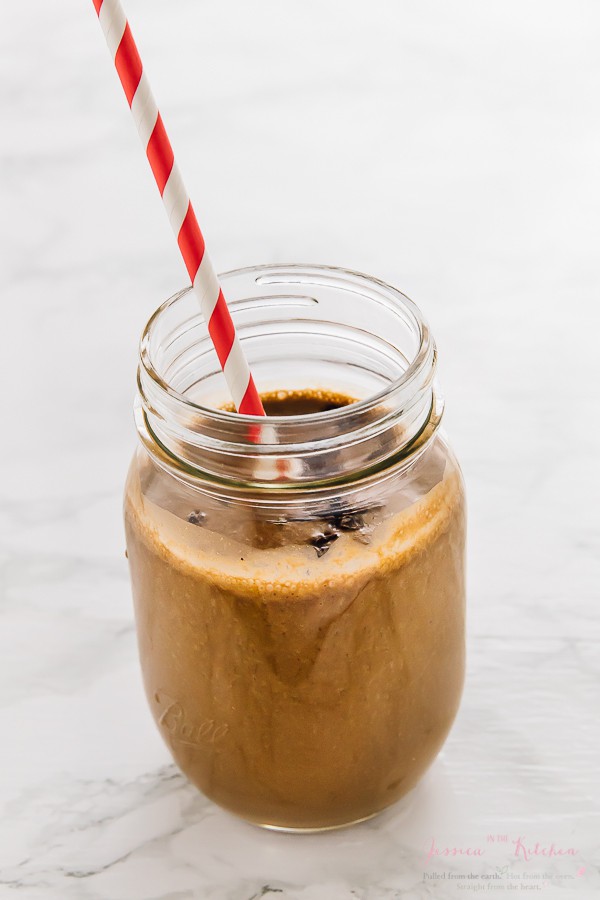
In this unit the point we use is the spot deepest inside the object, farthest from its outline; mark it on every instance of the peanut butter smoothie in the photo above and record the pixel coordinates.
(303, 662)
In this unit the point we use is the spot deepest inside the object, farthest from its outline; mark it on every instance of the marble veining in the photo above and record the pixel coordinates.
(451, 149)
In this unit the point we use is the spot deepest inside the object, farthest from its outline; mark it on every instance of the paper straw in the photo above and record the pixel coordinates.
(178, 206)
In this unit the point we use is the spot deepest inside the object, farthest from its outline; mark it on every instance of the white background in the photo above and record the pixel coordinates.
(452, 149)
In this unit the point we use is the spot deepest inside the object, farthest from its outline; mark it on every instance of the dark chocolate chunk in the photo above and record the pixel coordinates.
(197, 517)
(323, 540)
(349, 522)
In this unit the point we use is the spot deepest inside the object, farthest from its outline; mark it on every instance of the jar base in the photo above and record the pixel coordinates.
(401, 807)
(287, 829)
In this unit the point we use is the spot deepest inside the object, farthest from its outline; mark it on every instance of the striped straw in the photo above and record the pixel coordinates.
(178, 206)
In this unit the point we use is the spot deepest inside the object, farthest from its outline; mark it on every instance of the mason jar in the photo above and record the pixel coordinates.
(298, 580)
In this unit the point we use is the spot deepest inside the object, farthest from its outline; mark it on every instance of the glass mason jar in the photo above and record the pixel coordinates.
(298, 580)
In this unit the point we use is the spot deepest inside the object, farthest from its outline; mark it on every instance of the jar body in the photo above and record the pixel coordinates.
(295, 689)
(298, 581)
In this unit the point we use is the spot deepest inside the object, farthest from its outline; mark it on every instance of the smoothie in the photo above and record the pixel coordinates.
(303, 671)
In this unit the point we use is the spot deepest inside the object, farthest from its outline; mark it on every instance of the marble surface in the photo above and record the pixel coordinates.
(451, 149)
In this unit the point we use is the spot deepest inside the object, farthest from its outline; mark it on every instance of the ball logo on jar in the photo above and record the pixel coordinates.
(174, 719)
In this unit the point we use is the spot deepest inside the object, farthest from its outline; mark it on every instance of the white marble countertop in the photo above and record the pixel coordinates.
(451, 149)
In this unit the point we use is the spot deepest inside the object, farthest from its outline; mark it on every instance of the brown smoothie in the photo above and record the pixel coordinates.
(304, 674)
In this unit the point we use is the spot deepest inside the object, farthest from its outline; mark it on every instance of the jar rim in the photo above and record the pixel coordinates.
(423, 359)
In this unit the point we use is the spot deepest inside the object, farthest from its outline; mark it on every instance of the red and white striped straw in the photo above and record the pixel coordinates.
(178, 206)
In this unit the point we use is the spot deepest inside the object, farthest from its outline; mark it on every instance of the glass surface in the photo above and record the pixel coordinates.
(298, 582)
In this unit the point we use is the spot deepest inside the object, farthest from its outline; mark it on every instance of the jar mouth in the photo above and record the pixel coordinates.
(351, 333)
(268, 274)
